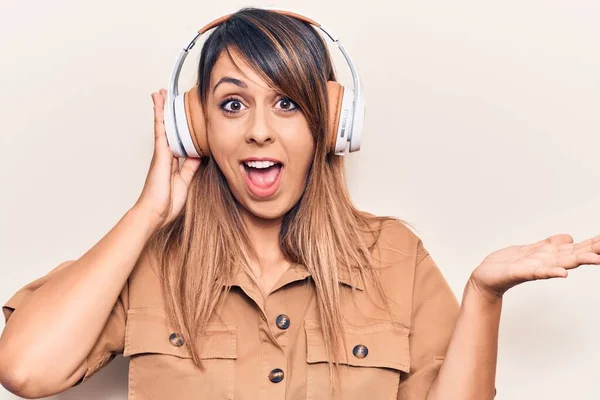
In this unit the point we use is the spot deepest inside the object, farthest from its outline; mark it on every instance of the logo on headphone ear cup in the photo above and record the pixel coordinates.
(344, 122)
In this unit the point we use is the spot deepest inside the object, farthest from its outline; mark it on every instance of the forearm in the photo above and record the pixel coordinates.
(469, 369)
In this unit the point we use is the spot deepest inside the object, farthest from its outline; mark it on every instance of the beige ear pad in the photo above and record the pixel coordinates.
(197, 126)
(335, 93)
(195, 121)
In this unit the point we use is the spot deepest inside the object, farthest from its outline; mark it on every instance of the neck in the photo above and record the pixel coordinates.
(264, 237)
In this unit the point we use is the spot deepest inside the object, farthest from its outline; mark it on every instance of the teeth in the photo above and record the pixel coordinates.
(259, 164)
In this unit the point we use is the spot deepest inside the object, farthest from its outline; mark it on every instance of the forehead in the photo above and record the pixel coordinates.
(232, 64)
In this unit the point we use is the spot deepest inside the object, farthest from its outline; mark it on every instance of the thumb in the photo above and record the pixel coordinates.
(556, 240)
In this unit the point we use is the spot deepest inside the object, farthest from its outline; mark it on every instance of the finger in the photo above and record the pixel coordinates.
(160, 136)
(188, 169)
(567, 247)
(556, 272)
(159, 127)
(533, 270)
(589, 245)
(551, 272)
(174, 165)
(556, 244)
(553, 241)
(547, 253)
(537, 269)
(570, 261)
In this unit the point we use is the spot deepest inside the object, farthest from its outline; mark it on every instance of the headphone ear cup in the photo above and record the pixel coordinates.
(195, 121)
(172, 135)
(335, 94)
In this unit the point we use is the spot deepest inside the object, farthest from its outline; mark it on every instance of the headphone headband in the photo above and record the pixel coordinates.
(351, 122)
(224, 18)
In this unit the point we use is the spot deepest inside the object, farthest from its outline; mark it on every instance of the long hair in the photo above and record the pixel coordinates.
(205, 245)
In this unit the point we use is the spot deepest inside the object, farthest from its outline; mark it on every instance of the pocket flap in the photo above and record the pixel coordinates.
(387, 345)
(148, 331)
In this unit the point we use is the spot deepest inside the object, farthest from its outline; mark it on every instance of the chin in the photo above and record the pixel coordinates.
(267, 210)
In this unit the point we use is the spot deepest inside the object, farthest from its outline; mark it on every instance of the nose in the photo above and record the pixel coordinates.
(260, 131)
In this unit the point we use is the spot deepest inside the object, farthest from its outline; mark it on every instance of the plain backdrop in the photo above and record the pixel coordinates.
(481, 130)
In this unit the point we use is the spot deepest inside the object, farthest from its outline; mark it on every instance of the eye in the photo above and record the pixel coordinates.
(231, 105)
(287, 104)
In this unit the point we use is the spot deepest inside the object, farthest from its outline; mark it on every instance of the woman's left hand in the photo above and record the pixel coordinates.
(549, 258)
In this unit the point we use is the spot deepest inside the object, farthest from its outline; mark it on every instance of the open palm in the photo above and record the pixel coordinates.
(546, 259)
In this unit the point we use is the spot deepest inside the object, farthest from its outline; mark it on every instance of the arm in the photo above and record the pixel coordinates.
(45, 342)
(60, 318)
(469, 369)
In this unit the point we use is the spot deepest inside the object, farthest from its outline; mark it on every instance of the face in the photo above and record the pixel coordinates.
(260, 139)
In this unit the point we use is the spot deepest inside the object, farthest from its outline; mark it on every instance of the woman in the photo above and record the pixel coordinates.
(235, 277)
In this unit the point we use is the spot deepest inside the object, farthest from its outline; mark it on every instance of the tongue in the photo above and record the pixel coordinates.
(264, 177)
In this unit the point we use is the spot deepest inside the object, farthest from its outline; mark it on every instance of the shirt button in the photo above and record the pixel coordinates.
(276, 375)
(176, 339)
(282, 321)
(360, 351)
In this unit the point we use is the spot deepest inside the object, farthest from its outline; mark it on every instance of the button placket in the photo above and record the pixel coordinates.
(278, 322)
(273, 343)
(272, 357)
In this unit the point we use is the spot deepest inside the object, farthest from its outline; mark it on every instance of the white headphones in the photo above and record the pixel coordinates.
(184, 120)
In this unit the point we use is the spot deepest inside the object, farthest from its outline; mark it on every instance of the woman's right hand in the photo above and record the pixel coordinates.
(165, 190)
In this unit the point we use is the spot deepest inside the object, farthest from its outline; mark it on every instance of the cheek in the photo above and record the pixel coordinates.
(308, 148)
(301, 153)
(220, 140)
(225, 135)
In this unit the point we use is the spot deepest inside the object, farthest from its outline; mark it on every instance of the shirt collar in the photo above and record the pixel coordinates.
(298, 272)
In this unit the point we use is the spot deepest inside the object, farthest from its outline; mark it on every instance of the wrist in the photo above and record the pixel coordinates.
(144, 217)
(474, 289)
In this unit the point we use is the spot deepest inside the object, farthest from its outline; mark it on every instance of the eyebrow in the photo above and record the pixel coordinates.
(228, 79)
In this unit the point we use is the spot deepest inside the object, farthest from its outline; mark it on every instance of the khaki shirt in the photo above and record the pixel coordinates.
(256, 336)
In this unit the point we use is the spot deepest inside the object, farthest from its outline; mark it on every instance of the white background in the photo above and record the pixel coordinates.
(481, 130)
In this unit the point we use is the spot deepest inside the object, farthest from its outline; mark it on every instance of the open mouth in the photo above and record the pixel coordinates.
(262, 177)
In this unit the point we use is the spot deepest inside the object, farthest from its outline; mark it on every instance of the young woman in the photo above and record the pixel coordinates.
(249, 273)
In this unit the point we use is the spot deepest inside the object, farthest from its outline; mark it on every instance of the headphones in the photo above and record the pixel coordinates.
(184, 120)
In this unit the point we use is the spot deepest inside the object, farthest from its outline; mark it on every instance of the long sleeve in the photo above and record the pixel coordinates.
(111, 339)
(435, 310)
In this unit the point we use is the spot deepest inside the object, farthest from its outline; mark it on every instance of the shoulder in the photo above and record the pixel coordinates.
(393, 241)
(396, 253)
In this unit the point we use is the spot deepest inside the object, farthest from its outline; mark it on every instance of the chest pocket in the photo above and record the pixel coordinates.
(161, 362)
(375, 358)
